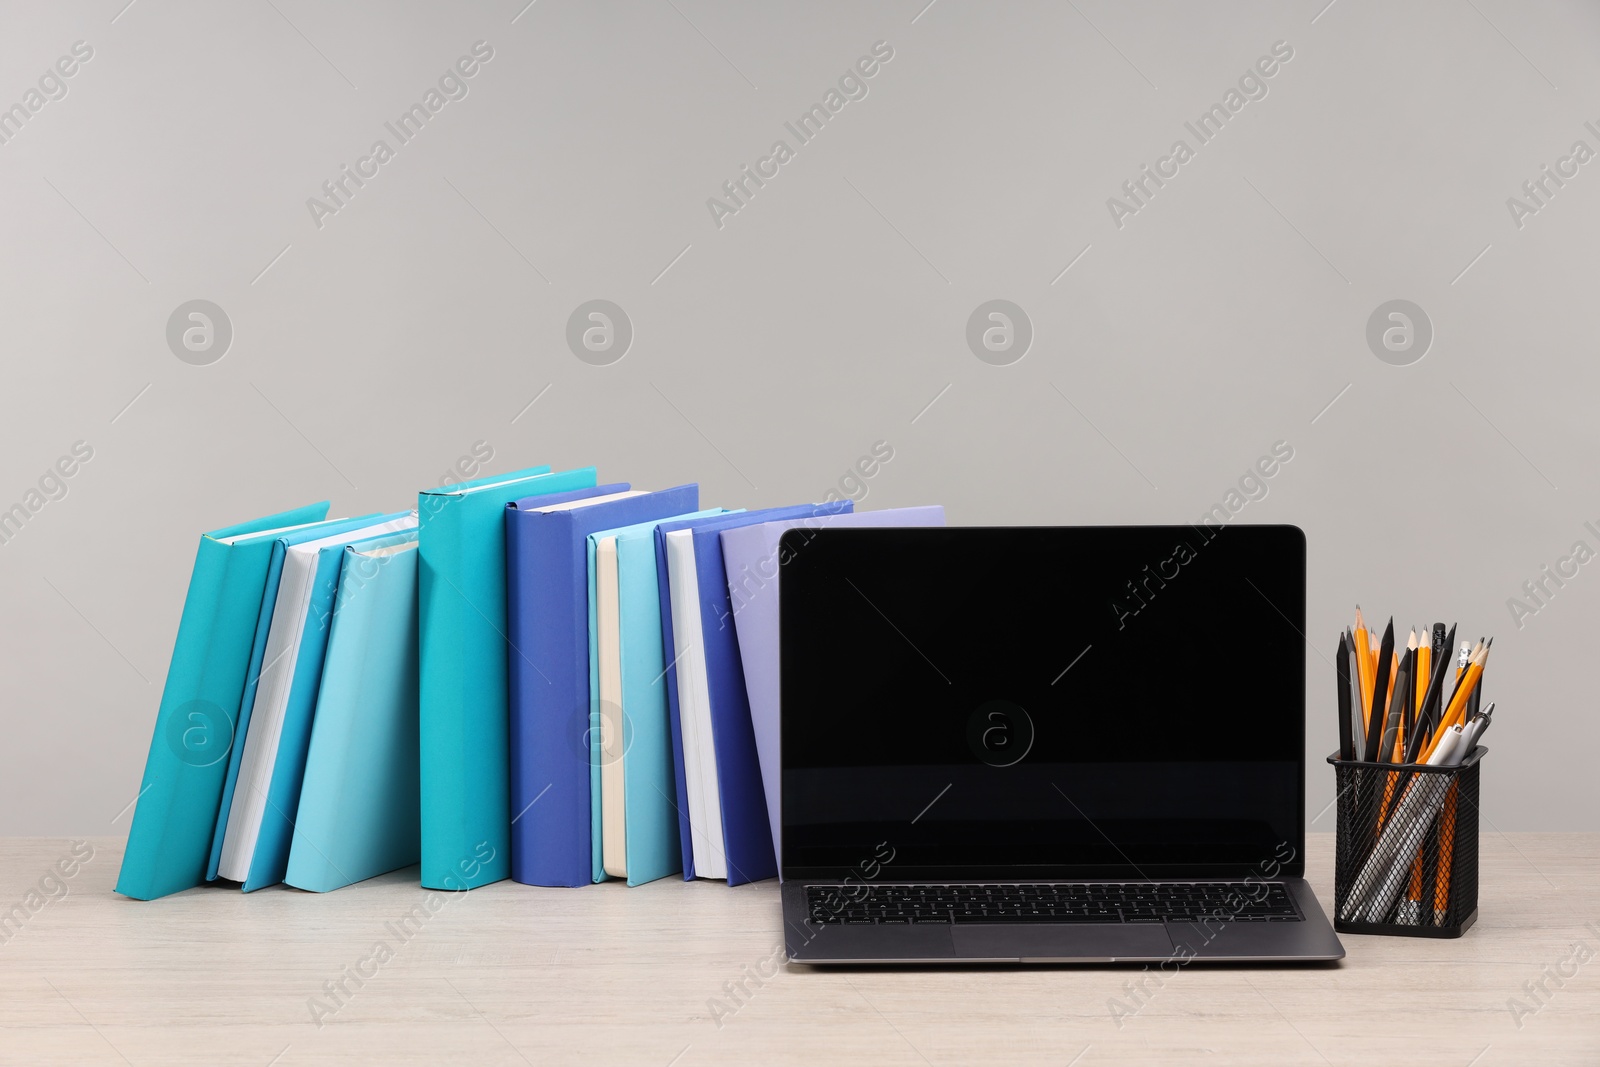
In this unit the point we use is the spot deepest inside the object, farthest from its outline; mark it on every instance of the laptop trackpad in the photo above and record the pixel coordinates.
(1066, 941)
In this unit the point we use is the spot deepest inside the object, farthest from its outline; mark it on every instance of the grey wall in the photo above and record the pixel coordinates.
(374, 346)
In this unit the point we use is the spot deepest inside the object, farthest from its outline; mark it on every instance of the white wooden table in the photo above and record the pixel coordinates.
(611, 975)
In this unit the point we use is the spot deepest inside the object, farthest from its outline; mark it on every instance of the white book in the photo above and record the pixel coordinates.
(613, 716)
(590, 501)
(284, 635)
(694, 710)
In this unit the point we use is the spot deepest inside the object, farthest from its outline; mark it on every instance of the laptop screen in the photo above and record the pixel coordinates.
(1114, 702)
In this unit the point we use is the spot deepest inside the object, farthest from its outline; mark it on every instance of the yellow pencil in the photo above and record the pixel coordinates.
(1447, 848)
(1363, 655)
(1458, 699)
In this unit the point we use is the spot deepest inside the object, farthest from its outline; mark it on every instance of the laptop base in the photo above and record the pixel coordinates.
(1172, 944)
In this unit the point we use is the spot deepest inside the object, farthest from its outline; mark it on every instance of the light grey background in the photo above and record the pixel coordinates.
(830, 313)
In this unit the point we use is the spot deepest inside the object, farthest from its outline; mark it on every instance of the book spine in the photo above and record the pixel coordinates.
(674, 722)
(520, 594)
(440, 625)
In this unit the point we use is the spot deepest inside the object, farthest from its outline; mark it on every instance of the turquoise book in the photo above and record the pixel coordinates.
(169, 842)
(360, 802)
(463, 714)
(633, 822)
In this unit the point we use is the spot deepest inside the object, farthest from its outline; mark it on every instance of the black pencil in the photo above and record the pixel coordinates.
(1358, 721)
(1474, 699)
(1440, 653)
(1342, 667)
(1408, 707)
(1431, 701)
(1380, 693)
(1391, 724)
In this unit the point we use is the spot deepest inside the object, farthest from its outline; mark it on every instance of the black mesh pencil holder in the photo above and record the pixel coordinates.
(1407, 853)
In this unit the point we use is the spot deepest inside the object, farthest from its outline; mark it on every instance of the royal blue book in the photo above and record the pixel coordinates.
(550, 830)
(462, 653)
(169, 843)
(518, 666)
(724, 832)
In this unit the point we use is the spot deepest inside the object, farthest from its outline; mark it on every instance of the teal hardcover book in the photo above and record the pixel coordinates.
(462, 655)
(633, 821)
(169, 843)
(360, 807)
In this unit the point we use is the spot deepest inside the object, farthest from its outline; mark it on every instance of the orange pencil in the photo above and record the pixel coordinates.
(1458, 699)
(1411, 912)
(1447, 842)
(1363, 651)
(1424, 672)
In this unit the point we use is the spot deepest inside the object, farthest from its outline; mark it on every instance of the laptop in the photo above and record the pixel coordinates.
(1045, 745)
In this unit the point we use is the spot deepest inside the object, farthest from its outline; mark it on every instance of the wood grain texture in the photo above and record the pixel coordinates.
(610, 975)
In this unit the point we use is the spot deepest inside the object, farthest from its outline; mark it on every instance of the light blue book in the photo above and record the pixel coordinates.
(360, 808)
(255, 844)
(267, 600)
(633, 821)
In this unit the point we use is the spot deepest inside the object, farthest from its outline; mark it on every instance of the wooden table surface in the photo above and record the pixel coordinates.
(610, 975)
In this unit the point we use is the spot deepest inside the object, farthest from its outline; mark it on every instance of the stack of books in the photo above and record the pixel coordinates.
(531, 676)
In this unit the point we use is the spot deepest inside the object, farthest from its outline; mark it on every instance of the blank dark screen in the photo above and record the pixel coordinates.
(1043, 701)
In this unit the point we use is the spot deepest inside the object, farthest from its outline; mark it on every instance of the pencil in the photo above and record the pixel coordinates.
(1458, 700)
(1438, 651)
(1360, 648)
(1391, 720)
(1440, 669)
(1406, 699)
(1424, 675)
(1394, 674)
(1390, 744)
(1380, 687)
(1358, 721)
(1411, 910)
(1447, 848)
(1461, 668)
(1475, 697)
(1342, 670)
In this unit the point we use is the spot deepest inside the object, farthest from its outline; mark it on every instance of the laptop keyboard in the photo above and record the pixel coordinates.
(1056, 902)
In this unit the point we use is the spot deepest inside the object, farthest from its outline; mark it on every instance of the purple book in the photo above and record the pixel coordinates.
(750, 554)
